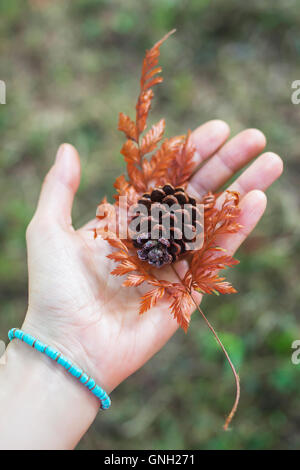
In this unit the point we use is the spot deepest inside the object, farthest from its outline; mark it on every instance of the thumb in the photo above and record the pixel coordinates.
(60, 186)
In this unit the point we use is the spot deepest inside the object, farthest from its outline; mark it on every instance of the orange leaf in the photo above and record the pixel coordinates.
(134, 280)
(117, 256)
(161, 160)
(211, 284)
(150, 299)
(121, 184)
(172, 163)
(134, 154)
(183, 163)
(142, 109)
(182, 307)
(151, 139)
(117, 243)
(136, 177)
(152, 72)
(154, 81)
(125, 267)
(130, 152)
(149, 70)
(127, 126)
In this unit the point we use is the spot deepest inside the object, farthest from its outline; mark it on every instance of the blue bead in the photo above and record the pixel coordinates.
(90, 383)
(11, 334)
(53, 353)
(61, 360)
(29, 340)
(96, 391)
(78, 372)
(49, 351)
(84, 378)
(68, 363)
(18, 334)
(39, 346)
(105, 404)
(73, 370)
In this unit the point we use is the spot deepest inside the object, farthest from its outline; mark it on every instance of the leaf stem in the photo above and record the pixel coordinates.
(236, 377)
(237, 380)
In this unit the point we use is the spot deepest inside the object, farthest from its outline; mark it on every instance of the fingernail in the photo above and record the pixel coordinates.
(63, 161)
(59, 152)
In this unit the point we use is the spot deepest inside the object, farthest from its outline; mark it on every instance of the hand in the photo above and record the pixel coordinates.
(77, 306)
(74, 302)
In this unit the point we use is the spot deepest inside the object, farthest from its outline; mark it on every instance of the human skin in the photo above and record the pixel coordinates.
(76, 306)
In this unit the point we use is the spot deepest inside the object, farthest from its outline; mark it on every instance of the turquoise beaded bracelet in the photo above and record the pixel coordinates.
(57, 356)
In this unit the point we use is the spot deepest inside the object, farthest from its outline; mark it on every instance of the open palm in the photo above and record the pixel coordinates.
(74, 302)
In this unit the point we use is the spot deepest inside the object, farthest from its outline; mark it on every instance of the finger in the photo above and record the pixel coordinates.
(208, 138)
(260, 175)
(229, 159)
(252, 208)
(60, 186)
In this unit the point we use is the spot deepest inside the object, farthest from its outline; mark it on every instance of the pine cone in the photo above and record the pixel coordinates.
(169, 221)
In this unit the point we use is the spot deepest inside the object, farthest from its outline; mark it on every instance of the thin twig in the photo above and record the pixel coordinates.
(237, 380)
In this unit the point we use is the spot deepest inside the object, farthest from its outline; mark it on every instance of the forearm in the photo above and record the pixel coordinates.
(41, 406)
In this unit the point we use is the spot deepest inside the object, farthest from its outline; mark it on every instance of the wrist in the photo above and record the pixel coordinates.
(50, 408)
(77, 344)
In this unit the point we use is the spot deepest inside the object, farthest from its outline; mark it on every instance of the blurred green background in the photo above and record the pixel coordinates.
(70, 67)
